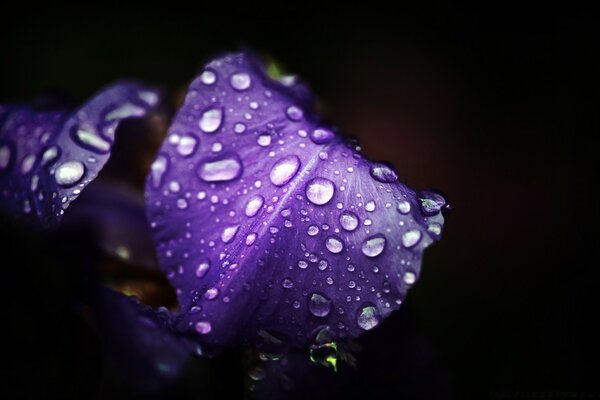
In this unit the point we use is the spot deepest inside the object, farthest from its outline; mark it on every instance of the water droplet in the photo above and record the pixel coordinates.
(221, 169)
(368, 317)
(240, 81)
(319, 305)
(349, 220)
(50, 154)
(257, 373)
(431, 203)
(323, 264)
(284, 170)
(239, 128)
(404, 207)
(374, 245)
(334, 244)
(409, 278)
(264, 140)
(370, 206)
(211, 293)
(182, 204)
(211, 120)
(202, 269)
(411, 238)
(208, 77)
(250, 239)
(294, 113)
(187, 145)
(312, 230)
(319, 191)
(125, 111)
(5, 155)
(302, 264)
(229, 233)
(383, 173)
(27, 164)
(88, 138)
(174, 186)
(287, 283)
(254, 205)
(296, 304)
(321, 136)
(158, 169)
(69, 173)
(434, 228)
(203, 327)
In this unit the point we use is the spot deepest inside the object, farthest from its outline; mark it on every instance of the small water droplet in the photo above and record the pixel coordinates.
(221, 169)
(264, 140)
(250, 239)
(284, 170)
(374, 245)
(431, 203)
(182, 204)
(202, 269)
(404, 207)
(323, 264)
(287, 283)
(5, 156)
(211, 120)
(211, 293)
(89, 139)
(294, 113)
(383, 173)
(187, 145)
(411, 238)
(229, 233)
(27, 164)
(320, 191)
(203, 327)
(334, 244)
(321, 136)
(368, 317)
(319, 305)
(69, 173)
(349, 220)
(370, 206)
(302, 264)
(253, 206)
(312, 230)
(434, 228)
(239, 128)
(240, 81)
(208, 77)
(409, 278)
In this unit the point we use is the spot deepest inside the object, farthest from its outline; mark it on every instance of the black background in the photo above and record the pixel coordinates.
(496, 107)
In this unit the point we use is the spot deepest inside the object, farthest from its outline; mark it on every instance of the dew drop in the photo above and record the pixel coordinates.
(302, 264)
(229, 233)
(158, 169)
(202, 269)
(334, 244)
(284, 170)
(370, 206)
(187, 145)
(203, 327)
(211, 120)
(27, 164)
(250, 239)
(69, 173)
(89, 139)
(319, 191)
(404, 207)
(383, 173)
(374, 245)
(431, 203)
(294, 113)
(264, 140)
(321, 136)
(221, 169)
(50, 154)
(211, 293)
(312, 230)
(319, 305)
(287, 283)
(254, 205)
(5, 155)
(409, 278)
(349, 221)
(239, 128)
(411, 238)
(208, 77)
(368, 317)
(240, 81)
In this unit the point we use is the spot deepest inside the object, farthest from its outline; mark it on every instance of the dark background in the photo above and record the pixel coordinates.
(498, 108)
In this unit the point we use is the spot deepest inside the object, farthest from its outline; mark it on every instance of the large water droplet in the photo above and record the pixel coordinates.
(158, 169)
(229, 233)
(321, 136)
(368, 317)
(187, 145)
(211, 120)
(254, 205)
(349, 221)
(373, 246)
(203, 268)
(319, 191)
(319, 305)
(89, 139)
(69, 173)
(411, 238)
(203, 327)
(431, 202)
(284, 170)
(334, 244)
(221, 169)
(240, 81)
(383, 173)
(404, 207)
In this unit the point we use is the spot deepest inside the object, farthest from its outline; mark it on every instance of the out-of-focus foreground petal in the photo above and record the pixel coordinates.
(273, 227)
(48, 157)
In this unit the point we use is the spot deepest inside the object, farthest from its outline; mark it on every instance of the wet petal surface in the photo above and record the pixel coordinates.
(276, 226)
(48, 157)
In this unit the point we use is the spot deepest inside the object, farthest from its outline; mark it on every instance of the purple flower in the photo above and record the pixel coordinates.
(48, 157)
(272, 227)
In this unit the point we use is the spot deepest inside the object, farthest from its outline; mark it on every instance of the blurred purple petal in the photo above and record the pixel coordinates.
(48, 157)
(272, 226)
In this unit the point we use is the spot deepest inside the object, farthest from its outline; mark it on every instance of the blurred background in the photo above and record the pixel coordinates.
(498, 108)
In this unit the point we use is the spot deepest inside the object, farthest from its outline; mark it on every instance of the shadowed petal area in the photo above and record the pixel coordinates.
(271, 225)
(48, 157)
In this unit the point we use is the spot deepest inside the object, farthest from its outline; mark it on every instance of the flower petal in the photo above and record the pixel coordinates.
(269, 224)
(47, 158)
